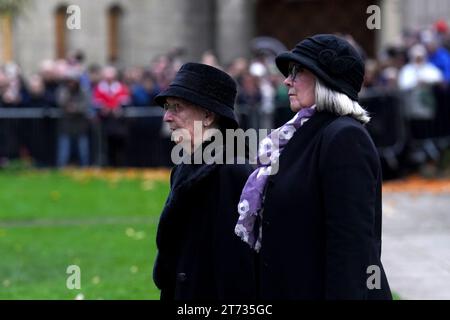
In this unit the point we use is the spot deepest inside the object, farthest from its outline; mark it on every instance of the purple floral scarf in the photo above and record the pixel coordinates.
(251, 201)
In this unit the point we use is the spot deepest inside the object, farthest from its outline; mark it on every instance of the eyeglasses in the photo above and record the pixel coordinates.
(173, 108)
(293, 70)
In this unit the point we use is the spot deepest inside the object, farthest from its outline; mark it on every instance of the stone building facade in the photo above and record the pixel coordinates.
(131, 32)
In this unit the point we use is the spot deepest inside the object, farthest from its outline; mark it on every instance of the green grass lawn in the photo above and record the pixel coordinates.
(105, 224)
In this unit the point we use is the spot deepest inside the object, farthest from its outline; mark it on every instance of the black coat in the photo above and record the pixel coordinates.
(199, 256)
(321, 225)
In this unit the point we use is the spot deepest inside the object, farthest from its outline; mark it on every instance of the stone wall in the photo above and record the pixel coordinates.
(147, 29)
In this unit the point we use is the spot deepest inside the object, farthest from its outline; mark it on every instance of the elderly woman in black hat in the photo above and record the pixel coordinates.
(199, 257)
(314, 211)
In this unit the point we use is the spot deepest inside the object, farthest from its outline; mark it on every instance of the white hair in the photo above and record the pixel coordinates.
(338, 103)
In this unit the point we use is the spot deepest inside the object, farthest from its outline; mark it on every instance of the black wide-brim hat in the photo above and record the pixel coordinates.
(206, 87)
(330, 58)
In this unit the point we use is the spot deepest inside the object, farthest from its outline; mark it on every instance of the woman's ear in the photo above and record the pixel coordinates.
(208, 118)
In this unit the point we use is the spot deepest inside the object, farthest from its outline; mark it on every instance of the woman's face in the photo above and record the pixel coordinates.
(182, 115)
(301, 84)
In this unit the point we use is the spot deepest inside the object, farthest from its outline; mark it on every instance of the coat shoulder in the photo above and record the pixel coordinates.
(347, 141)
(344, 125)
(347, 130)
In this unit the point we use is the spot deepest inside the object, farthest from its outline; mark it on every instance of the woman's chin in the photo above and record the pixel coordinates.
(295, 107)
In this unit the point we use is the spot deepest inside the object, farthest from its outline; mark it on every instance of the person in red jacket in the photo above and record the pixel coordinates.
(110, 95)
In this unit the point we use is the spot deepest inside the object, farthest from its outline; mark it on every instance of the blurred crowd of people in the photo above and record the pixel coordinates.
(417, 72)
(94, 93)
(422, 57)
(84, 95)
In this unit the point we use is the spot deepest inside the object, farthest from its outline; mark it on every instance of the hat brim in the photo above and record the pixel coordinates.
(282, 62)
(226, 113)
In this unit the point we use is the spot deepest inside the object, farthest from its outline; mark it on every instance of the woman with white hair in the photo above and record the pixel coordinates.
(313, 212)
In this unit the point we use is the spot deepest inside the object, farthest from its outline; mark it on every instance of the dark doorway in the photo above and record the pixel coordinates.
(292, 20)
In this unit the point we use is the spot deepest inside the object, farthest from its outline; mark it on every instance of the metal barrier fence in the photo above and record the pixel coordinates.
(33, 133)
(403, 140)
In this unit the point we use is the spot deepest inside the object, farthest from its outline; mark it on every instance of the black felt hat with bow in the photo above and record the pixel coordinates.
(330, 58)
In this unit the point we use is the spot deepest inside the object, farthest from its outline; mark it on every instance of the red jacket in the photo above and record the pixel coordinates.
(111, 96)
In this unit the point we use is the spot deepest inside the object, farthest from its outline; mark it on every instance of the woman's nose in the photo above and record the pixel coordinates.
(167, 116)
(288, 81)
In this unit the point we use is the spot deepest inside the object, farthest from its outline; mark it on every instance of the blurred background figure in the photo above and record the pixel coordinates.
(14, 90)
(249, 101)
(438, 55)
(418, 71)
(371, 75)
(238, 67)
(50, 80)
(282, 112)
(443, 32)
(36, 91)
(417, 79)
(209, 58)
(163, 70)
(259, 68)
(142, 85)
(73, 125)
(110, 96)
(4, 83)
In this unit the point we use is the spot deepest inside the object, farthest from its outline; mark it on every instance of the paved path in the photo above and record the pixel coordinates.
(416, 244)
